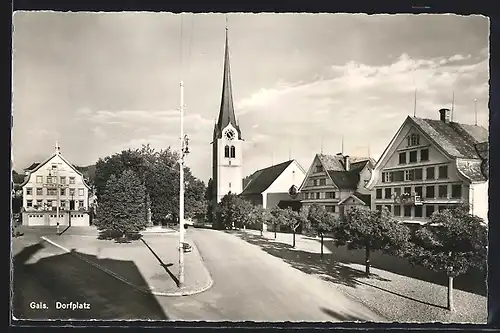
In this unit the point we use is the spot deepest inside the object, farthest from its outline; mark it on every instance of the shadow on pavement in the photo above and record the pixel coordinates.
(65, 278)
(473, 282)
(310, 263)
(342, 316)
(165, 266)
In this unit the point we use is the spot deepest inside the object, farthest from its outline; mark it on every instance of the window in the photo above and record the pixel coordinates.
(424, 155)
(418, 191)
(456, 191)
(379, 193)
(322, 181)
(29, 191)
(39, 203)
(441, 208)
(51, 191)
(62, 204)
(29, 203)
(233, 152)
(80, 192)
(63, 179)
(402, 158)
(409, 175)
(39, 191)
(319, 168)
(429, 191)
(389, 208)
(443, 191)
(413, 140)
(71, 191)
(378, 207)
(407, 211)
(39, 179)
(330, 195)
(388, 193)
(429, 210)
(397, 191)
(322, 195)
(418, 174)
(418, 211)
(387, 177)
(71, 180)
(407, 190)
(317, 195)
(226, 154)
(49, 179)
(80, 203)
(397, 210)
(63, 191)
(413, 156)
(429, 173)
(398, 176)
(443, 171)
(315, 182)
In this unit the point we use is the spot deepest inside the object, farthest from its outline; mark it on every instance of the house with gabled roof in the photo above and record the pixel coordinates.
(337, 182)
(55, 192)
(430, 165)
(276, 185)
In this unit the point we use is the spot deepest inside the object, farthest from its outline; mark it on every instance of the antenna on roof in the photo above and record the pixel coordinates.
(452, 104)
(475, 111)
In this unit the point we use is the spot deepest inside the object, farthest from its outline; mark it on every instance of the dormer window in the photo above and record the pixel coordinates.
(413, 140)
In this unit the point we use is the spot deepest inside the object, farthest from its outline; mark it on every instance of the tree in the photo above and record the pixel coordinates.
(362, 228)
(233, 211)
(209, 197)
(120, 211)
(452, 242)
(260, 217)
(321, 222)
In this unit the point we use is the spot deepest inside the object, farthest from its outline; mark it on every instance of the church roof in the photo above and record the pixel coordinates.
(226, 113)
(261, 179)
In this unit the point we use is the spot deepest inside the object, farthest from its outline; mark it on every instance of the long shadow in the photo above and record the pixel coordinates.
(328, 268)
(63, 278)
(310, 263)
(474, 281)
(66, 229)
(165, 266)
(342, 316)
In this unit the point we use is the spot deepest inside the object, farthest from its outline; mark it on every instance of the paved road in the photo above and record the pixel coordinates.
(253, 285)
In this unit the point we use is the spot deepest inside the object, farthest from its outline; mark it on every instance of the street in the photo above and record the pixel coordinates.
(249, 285)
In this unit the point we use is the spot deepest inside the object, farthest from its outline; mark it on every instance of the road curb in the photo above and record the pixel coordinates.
(179, 293)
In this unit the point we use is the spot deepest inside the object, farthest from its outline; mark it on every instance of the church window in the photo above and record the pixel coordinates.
(226, 151)
(233, 152)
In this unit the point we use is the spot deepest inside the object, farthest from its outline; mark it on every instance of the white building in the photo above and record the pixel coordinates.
(276, 185)
(432, 164)
(51, 186)
(337, 182)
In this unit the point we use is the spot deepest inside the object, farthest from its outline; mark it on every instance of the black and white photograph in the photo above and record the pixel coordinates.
(260, 167)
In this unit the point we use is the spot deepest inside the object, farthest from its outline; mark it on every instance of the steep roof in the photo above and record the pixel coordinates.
(226, 113)
(261, 179)
(468, 144)
(335, 167)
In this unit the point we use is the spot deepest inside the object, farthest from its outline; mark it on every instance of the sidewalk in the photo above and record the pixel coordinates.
(155, 258)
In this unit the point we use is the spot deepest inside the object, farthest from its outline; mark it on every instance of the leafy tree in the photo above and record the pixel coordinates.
(279, 218)
(233, 211)
(362, 228)
(452, 242)
(321, 222)
(259, 217)
(120, 211)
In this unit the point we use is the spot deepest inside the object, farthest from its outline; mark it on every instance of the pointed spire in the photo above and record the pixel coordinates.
(226, 114)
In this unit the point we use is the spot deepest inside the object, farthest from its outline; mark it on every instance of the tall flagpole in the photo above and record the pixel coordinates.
(181, 194)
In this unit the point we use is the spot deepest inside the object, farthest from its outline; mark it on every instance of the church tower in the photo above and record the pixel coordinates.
(227, 155)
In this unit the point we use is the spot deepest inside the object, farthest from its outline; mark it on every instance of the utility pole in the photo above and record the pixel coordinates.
(181, 194)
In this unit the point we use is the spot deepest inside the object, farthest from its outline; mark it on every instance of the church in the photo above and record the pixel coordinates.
(271, 186)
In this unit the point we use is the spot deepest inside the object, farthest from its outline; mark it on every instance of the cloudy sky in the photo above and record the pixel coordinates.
(102, 82)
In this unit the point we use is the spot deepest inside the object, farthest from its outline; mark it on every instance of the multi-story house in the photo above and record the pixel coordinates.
(54, 191)
(430, 165)
(337, 182)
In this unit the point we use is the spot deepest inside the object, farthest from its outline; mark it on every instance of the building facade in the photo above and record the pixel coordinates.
(53, 186)
(337, 182)
(276, 185)
(430, 165)
(227, 144)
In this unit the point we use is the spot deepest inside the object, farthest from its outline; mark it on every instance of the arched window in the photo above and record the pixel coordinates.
(226, 151)
(233, 152)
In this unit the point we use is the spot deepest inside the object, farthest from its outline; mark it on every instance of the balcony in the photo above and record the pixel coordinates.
(405, 199)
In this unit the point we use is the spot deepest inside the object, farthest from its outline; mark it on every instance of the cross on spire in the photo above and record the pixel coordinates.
(58, 148)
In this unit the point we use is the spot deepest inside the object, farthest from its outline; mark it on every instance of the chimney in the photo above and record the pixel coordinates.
(347, 163)
(445, 115)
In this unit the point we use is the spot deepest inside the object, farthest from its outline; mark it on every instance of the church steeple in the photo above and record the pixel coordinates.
(226, 113)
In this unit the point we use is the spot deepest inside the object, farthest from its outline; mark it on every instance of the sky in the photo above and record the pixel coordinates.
(99, 83)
